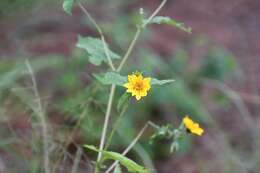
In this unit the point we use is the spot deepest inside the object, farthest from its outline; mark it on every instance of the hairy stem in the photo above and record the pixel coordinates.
(41, 115)
(104, 131)
(129, 50)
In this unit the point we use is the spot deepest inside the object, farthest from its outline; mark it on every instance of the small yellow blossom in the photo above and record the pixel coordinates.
(138, 85)
(192, 127)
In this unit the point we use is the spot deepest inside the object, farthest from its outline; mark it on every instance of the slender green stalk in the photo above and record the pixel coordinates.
(43, 122)
(129, 50)
(137, 34)
(101, 35)
(156, 11)
(104, 131)
(115, 127)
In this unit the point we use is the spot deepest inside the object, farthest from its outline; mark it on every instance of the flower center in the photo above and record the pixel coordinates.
(138, 86)
(188, 130)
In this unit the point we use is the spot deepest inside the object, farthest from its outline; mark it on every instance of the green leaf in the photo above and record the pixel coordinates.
(163, 132)
(161, 82)
(130, 165)
(168, 21)
(67, 6)
(115, 78)
(123, 101)
(95, 50)
(111, 78)
(117, 169)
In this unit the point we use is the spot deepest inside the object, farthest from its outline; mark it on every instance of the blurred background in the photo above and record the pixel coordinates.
(215, 69)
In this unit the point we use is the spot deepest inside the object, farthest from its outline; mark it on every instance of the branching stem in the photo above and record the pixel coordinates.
(137, 34)
(101, 35)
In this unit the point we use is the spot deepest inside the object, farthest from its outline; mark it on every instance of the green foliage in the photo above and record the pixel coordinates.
(168, 21)
(67, 6)
(111, 78)
(128, 163)
(162, 132)
(95, 50)
(167, 132)
(115, 78)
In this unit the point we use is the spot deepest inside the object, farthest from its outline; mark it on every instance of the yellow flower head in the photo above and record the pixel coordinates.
(138, 85)
(192, 127)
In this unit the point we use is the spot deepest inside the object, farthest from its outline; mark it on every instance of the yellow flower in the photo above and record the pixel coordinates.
(192, 127)
(138, 85)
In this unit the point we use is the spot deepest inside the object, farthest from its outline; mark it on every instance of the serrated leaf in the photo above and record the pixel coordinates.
(168, 21)
(95, 49)
(67, 6)
(123, 101)
(117, 169)
(130, 165)
(161, 82)
(111, 78)
(115, 78)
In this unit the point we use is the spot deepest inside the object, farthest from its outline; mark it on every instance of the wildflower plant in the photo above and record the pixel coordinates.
(136, 85)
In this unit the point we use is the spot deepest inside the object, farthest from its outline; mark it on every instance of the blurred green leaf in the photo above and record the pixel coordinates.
(128, 163)
(115, 78)
(67, 6)
(168, 21)
(111, 78)
(95, 50)
(163, 132)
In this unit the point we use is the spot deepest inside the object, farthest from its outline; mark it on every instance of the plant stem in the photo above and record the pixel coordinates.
(129, 50)
(137, 34)
(104, 131)
(101, 35)
(131, 145)
(41, 115)
(156, 11)
(115, 127)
